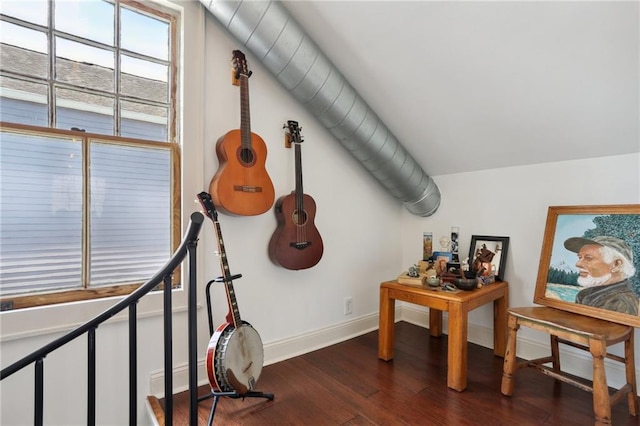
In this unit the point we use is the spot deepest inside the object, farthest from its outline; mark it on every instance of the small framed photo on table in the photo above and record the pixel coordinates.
(441, 259)
(489, 254)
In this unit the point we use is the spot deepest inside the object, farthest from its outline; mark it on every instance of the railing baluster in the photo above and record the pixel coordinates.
(39, 389)
(133, 364)
(91, 377)
(193, 335)
(168, 353)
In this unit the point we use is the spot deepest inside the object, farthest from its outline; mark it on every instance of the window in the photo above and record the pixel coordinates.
(89, 156)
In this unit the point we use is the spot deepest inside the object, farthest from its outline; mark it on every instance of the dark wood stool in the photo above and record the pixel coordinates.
(587, 333)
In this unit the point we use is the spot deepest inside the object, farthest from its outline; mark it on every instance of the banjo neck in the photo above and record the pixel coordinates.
(233, 317)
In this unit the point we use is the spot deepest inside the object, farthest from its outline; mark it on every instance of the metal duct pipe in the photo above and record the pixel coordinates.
(268, 30)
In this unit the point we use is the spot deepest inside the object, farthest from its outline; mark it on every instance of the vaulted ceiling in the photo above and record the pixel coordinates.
(468, 86)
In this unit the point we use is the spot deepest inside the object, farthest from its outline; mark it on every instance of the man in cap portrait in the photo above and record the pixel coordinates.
(605, 267)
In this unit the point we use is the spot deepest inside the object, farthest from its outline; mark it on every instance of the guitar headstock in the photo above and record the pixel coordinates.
(240, 65)
(207, 204)
(294, 132)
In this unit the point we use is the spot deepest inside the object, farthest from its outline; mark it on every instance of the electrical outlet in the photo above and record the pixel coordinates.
(347, 305)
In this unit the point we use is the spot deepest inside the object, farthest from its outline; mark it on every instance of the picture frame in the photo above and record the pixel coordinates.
(499, 246)
(568, 277)
(441, 259)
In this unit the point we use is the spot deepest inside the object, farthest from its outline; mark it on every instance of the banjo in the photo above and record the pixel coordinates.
(235, 354)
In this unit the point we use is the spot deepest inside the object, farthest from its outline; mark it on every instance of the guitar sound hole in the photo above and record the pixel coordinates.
(246, 156)
(299, 218)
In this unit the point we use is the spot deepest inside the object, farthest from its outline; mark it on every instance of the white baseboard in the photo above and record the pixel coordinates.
(278, 350)
(573, 361)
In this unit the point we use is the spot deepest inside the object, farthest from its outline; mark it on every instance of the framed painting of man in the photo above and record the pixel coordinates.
(590, 262)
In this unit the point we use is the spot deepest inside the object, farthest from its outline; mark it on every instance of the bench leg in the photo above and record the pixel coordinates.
(555, 353)
(601, 402)
(630, 370)
(509, 365)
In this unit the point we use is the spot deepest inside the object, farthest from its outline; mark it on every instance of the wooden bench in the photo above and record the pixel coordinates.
(587, 333)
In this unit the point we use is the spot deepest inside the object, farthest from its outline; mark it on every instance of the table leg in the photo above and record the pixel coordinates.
(435, 322)
(386, 325)
(500, 324)
(457, 350)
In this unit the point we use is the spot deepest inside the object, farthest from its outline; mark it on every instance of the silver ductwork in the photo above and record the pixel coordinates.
(268, 30)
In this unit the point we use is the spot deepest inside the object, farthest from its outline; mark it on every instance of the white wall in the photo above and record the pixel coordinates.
(513, 202)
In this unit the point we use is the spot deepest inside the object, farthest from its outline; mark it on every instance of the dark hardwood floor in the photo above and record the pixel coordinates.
(346, 384)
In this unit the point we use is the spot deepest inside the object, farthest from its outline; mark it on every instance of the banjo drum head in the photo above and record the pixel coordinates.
(240, 358)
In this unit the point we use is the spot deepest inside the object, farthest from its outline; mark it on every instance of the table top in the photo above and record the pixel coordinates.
(440, 293)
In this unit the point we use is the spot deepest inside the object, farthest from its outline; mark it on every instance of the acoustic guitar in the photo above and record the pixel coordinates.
(296, 242)
(235, 354)
(241, 185)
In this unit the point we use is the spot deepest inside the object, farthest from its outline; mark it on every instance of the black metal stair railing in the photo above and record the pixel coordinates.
(186, 249)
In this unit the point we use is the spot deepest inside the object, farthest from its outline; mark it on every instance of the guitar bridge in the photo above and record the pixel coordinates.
(300, 245)
(247, 188)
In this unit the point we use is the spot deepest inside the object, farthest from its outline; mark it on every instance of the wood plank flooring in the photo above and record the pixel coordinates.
(346, 384)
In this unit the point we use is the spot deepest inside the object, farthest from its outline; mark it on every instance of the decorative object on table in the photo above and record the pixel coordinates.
(432, 275)
(609, 236)
(455, 233)
(489, 256)
(466, 283)
(405, 278)
(465, 264)
(433, 281)
(427, 246)
(444, 242)
(423, 265)
(413, 271)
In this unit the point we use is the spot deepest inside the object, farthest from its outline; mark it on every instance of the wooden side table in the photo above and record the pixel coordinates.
(458, 304)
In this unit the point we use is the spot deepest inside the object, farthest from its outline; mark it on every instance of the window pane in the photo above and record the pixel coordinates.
(23, 102)
(23, 51)
(92, 20)
(92, 113)
(143, 121)
(130, 212)
(144, 34)
(144, 79)
(25, 38)
(41, 215)
(84, 66)
(33, 11)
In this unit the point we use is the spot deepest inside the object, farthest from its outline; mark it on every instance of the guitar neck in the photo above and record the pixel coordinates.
(299, 188)
(245, 115)
(226, 276)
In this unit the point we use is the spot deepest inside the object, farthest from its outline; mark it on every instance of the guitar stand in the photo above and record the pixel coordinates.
(229, 394)
(235, 395)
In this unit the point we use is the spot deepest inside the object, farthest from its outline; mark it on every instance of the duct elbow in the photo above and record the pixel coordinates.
(427, 203)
